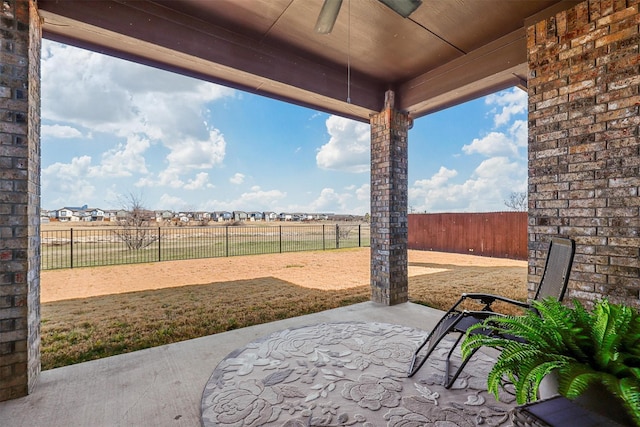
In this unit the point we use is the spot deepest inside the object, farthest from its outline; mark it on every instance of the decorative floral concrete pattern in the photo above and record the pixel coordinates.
(346, 374)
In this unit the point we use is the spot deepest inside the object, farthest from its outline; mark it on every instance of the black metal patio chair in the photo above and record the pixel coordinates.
(553, 283)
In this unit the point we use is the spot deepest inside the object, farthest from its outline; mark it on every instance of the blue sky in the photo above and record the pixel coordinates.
(112, 128)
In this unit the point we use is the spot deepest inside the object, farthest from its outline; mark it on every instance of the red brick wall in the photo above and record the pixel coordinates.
(583, 145)
(19, 198)
(389, 183)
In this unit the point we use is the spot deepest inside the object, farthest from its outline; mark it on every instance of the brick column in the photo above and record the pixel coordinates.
(389, 129)
(584, 149)
(20, 40)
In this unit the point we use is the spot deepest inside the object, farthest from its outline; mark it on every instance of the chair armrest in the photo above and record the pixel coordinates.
(488, 299)
(482, 314)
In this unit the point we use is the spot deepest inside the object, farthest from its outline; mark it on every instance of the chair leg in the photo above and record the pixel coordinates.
(459, 371)
(447, 361)
(436, 335)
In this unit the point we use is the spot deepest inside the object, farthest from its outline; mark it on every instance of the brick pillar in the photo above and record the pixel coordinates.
(20, 40)
(389, 129)
(584, 149)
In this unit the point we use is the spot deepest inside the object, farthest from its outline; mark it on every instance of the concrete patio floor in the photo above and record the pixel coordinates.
(163, 386)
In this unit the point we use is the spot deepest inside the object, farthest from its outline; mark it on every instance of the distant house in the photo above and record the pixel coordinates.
(183, 217)
(221, 216)
(64, 215)
(122, 215)
(285, 216)
(97, 215)
(270, 216)
(77, 208)
(240, 216)
(110, 215)
(255, 216)
(164, 216)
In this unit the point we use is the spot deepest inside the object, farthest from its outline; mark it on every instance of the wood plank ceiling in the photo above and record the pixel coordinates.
(444, 53)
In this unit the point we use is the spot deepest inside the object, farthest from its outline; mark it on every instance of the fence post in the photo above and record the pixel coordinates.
(71, 261)
(337, 236)
(280, 226)
(324, 246)
(226, 239)
(159, 250)
(359, 235)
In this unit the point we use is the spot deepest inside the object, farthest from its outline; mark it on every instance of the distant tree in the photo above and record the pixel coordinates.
(345, 230)
(134, 228)
(517, 201)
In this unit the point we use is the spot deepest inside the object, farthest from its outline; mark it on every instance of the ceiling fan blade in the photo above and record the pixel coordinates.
(328, 15)
(403, 8)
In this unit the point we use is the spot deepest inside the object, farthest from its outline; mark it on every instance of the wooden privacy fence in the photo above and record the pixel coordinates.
(494, 234)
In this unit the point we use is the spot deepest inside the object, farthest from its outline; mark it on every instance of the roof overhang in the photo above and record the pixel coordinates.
(435, 59)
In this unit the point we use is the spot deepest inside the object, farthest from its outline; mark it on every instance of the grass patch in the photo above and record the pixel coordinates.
(442, 290)
(121, 323)
(80, 330)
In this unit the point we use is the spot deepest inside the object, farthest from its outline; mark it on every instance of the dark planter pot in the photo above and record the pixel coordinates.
(596, 398)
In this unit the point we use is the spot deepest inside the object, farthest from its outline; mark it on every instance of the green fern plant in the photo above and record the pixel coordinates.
(601, 347)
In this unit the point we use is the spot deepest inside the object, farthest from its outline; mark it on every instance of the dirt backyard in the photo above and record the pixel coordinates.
(328, 270)
(88, 313)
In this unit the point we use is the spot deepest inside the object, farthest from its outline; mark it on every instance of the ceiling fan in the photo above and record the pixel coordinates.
(331, 8)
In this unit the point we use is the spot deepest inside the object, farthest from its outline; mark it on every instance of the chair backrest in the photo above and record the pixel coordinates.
(557, 269)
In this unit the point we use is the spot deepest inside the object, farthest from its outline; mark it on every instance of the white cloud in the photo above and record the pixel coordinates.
(67, 183)
(171, 202)
(58, 131)
(199, 182)
(485, 190)
(117, 96)
(79, 166)
(191, 153)
(495, 143)
(502, 172)
(237, 178)
(169, 177)
(130, 100)
(512, 101)
(439, 179)
(260, 197)
(147, 181)
(500, 143)
(364, 192)
(331, 201)
(348, 148)
(123, 160)
(519, 131)
(74, 180)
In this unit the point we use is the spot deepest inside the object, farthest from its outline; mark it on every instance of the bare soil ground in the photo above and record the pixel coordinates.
(89, 313)
(329, 270)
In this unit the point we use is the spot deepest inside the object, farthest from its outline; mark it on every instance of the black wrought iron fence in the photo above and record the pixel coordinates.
(89, 247)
